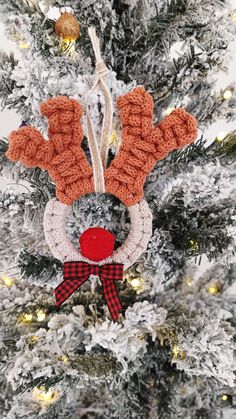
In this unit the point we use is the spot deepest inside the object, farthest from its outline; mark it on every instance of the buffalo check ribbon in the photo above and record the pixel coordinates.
(76, 273)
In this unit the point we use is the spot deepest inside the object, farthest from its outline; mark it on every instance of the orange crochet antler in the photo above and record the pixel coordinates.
(62, 155)
(143, 145)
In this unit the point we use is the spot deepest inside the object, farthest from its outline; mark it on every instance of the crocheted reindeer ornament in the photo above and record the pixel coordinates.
(142, 146)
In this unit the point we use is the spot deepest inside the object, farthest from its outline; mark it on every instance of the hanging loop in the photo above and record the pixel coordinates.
(99, 149)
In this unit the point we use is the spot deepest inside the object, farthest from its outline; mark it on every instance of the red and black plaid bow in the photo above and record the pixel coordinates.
(76, 273)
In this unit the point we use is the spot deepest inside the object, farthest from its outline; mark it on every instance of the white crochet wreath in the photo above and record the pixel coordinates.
(55, 217)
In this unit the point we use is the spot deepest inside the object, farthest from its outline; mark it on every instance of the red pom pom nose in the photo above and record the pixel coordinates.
(97, 244)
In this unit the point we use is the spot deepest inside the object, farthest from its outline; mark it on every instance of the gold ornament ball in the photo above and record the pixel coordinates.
(68, 27)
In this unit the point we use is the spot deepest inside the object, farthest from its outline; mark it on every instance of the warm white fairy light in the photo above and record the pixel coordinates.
(228, 93)
(41, 315)
(43, 396)
(113, 138)
(189, 281)
(135, 283)
(233, 16)
(221, 136)
(65, 359)
(177, 353)
(26, 318)
(214, 288)
(169, 110)
(7, 280)
(33, 339)
(24, 45)
(193, 245)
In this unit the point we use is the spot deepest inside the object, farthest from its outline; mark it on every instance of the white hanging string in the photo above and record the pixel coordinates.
(99, 150)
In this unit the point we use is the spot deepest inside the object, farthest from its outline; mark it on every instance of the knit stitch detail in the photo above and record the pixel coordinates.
(143, 145)
(55, 217)
(62, 155)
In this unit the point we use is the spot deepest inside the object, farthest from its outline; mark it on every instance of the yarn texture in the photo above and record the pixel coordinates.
(97, 243)
(55, 217)
(62, 155)
(142, 146)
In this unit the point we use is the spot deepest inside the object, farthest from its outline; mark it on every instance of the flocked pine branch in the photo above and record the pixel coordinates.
(171, 355)
(203, 53)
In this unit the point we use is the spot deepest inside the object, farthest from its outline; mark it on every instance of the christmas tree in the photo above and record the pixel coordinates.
(171, 353)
